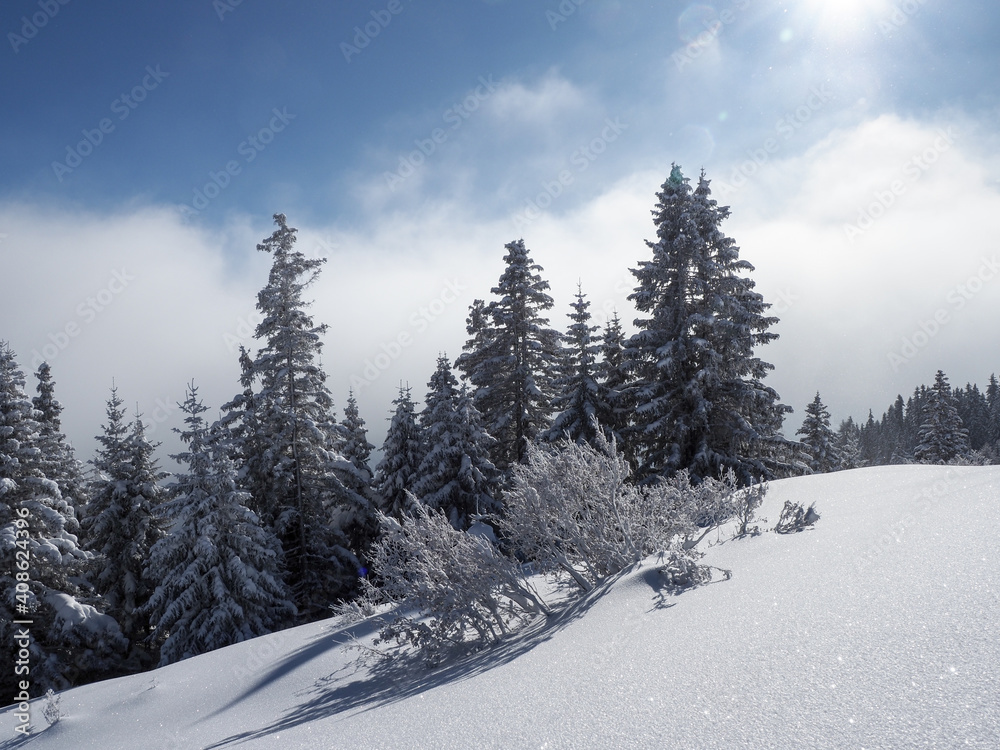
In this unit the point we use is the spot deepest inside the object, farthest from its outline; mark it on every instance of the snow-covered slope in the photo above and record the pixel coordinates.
(876, 629)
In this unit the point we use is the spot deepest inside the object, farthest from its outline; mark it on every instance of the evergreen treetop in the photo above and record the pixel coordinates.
(819, 439)
(942, 436)
(512, 356)
(700, 402)
(219, 570)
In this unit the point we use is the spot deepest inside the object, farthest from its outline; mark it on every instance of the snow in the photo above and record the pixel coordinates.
(875, 629)
(71, 614)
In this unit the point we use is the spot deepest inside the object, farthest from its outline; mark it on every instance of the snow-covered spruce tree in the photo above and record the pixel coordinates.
(848, 444)
(942, 436)
(219, 570)
(122, 522)
(512, 356)
(350, 443)
(402, 453)
(59, 460)
(455, 475)
(890, 441)
(288, 438)
(356, 448)
(993, 404)
(700, 403)
(240, 420)
(869, 441)
(908, 436)
(581, 400)
(40, 562)
(820, 441)
(974, 410)
(614, 378)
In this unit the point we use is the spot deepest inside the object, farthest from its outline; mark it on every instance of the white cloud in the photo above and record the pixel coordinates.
(543, 104)
(410, 276)
(870, 231)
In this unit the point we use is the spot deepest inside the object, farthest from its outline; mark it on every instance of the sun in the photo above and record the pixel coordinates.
(844, 17)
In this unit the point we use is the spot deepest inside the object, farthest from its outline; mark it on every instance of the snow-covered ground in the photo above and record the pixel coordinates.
(879, 628)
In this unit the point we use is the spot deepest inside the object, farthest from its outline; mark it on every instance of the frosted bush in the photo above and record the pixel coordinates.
(796, 518)
(50, 711)
(449, 587)
(573, 510)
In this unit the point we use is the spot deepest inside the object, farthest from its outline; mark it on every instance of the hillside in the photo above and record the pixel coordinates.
(876, 629)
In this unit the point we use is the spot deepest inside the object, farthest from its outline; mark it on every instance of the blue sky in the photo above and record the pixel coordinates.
(856, 142)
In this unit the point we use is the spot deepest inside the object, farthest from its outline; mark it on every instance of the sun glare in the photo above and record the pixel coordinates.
(845, 17)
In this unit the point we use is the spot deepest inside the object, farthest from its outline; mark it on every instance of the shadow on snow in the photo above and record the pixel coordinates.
(392, 680)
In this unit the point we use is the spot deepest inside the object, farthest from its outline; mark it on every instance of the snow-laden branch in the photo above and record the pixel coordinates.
(573, 510)
(447, 586)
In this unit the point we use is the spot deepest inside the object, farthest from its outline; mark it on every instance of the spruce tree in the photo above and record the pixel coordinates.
(909, 428)
(455, 475)
(240, 420)
(613, 377)
(869, 441)
(993, 404)
(819, 440)
(581, 403)
(402, 453)
(286, 434)
(974, 410)
(698, 392)
(511, 357)
(942, 436)
(41, 564)
(357, 449)
(219, 570)
(895, 443)
(122, 522)
(60, 462)
(848, 444)
(354, 472)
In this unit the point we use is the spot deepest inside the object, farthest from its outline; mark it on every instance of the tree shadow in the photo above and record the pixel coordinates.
(665, 593)
(389, 681)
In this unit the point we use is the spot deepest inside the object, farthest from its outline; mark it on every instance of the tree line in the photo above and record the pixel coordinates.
(275, 510)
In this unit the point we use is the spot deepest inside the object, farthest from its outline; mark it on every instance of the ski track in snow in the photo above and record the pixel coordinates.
(875, 629)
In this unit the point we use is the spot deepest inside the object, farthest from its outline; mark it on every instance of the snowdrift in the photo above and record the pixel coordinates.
(878, 628)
